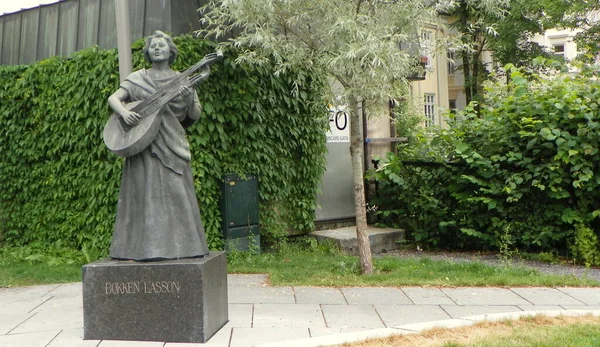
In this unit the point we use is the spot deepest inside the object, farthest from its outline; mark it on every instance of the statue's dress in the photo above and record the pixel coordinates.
(157, 212)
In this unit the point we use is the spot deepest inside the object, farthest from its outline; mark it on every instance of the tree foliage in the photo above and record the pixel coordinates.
(356, 42)
(60, 184)
(507, 27)
(525, 171)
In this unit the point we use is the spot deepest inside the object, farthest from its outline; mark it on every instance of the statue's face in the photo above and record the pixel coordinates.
(159, 50)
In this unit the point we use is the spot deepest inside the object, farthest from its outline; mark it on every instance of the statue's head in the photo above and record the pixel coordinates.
(160, 34)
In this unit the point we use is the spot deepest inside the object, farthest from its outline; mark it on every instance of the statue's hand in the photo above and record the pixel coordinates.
(187, 93)
(131, 118)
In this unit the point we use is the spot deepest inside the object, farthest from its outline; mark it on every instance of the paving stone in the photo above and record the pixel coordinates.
(36, 339)
(484, 296)
(312, 295)
(288, 316)
(248, 337)
(261, 295)
(370, 295)
(21, 304)
(66, 290)
(393, 315)
(447, 323)
(247, 280)
(9, 321)
(72, 338)
(351, 317)
(546, 296)
(589, 296)
(30, 291)
(463, 311)
(240, 315)
(427, 296)
(54, 315)
(220, 339)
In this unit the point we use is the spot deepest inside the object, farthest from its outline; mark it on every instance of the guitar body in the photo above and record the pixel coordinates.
(124, 141)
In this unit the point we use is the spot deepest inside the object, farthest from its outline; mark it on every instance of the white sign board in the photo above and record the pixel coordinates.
(339, 125)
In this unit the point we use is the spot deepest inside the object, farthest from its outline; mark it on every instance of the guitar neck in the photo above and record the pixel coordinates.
(162, 93)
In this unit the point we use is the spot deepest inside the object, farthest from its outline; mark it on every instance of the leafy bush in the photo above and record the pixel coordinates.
(527, 164)
(60, 184)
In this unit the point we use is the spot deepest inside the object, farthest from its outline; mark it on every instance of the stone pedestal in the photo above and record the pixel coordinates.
(182, 300)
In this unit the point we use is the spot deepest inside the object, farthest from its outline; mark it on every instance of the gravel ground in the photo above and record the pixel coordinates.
(495, 260)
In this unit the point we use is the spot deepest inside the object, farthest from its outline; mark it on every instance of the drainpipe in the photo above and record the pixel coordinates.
(123, 38)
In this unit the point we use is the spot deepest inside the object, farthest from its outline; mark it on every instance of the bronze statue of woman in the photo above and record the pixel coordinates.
(157, 213)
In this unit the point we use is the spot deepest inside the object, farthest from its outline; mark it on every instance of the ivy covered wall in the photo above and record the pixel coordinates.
(59, 184)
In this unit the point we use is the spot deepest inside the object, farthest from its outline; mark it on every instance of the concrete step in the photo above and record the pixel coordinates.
(381, 239)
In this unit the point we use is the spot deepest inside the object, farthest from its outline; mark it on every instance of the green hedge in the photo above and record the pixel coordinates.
(59, 184)
(524, 173)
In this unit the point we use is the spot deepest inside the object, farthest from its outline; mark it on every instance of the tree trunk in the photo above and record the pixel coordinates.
(356, 153)
(464, 18)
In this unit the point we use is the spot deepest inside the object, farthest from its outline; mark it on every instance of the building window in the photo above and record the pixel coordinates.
(452, 106)
(426, 48)
(429, 110)
(451, 62)
(559, 50)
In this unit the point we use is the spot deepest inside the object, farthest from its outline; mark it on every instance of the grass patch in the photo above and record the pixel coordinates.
(537, 331)
(33, 265)
(306, 263)
(299, 262)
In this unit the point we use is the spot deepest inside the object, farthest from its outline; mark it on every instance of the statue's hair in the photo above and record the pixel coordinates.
(172, 47)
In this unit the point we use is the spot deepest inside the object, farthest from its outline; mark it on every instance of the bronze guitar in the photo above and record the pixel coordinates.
(126, 141)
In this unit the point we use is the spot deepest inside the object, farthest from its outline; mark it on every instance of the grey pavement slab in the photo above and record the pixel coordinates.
(319, 295)
(31, 291)
(546, 296)
(22, 304)
(427, 296)
(240, 315)
(462, 311)
(374, 295)
(288, 316)
(246, 337)
(407, 314)
(40, 339)
(55, 314)
(484, 296)
(247, 280)
(72, 338)
(589, 296)
(10, 321)
(260, 295)
(66, 290)
(351, 317)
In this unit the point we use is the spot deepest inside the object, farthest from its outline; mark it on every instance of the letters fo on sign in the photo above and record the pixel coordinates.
(339, 125)
(134, 287)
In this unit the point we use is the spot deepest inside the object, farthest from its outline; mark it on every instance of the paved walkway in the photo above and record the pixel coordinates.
(260, 315)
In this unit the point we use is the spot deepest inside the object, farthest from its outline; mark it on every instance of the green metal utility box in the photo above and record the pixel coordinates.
(239, 210)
